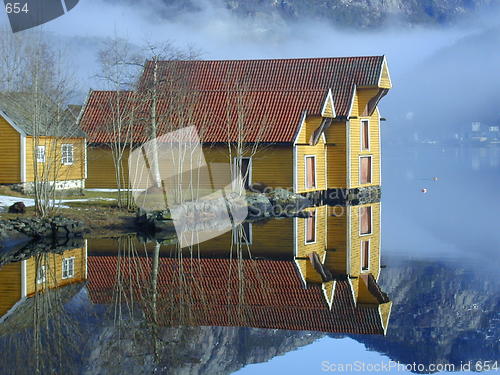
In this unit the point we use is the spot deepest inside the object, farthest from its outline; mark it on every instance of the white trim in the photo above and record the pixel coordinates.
(379, 240)
(315, 229)
(315, 172)
(348, 152)
(379, 148)
(249, 167)
(85, 170)
(69, 276)
(361, 132)
(384, 63)
(86, 258)
(371, 169)
(23, 158)
(72, 153)
(351, 105)
(382, 320)
(295, 169)
(323, 109)
(40, 147)
(349, 233)
(302, 122)
(352, 292)
(329, 300)
(24, 290)
(361, 269)
(371, 221)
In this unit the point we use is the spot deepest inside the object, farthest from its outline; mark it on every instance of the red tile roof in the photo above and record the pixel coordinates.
(275, 92)
(269, 294)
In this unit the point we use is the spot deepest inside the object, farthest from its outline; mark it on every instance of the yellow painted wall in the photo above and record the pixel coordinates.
(319, 247)
(336, 155)
(385, 81)
(271, 165)
(101, 169)
(53, 267)
(10, 286)
(53, 169)
(319, 151)
(10, 151)
(356, 238)
(363, 96)
(336, 257)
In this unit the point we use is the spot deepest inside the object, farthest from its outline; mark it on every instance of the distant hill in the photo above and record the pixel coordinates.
(345, 13)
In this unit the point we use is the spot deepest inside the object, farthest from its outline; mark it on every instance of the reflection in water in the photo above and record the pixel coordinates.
(317, 273)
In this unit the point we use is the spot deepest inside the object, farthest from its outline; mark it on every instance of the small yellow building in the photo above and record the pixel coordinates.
(54, 154)
(22, 280)
(307, 125)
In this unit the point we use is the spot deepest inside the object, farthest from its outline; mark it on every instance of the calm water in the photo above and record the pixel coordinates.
(129, 306)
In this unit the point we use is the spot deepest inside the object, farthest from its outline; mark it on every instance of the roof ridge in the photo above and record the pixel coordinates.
(278, 59)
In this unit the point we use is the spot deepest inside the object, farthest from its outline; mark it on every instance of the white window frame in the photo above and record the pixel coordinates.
(63, 158)
(315, 172)
(238, 240)
(68, 261)
(362, 252)
(371, 221)
(40, 151)
(41, 274)
(371, 169)
(250, 172)
(367, 121)
(315, 229)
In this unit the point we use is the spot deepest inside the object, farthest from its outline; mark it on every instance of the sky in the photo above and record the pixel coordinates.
(443, 77)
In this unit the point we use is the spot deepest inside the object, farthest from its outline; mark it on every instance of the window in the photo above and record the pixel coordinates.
(310, 172)
(365, 220)
(67, 154)
(40, 154)
(40, 275)
(365, 135)
(365, 170)
(310, 228)
(243, 233)
(68, 268)
(245, 168)
(365, 255)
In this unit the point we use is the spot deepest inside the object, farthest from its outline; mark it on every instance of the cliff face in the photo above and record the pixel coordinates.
(345, 13)
(441, 314)
(188, 350)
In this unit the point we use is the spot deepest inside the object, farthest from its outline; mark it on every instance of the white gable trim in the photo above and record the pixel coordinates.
(302, 122)
(349, 113)
(329, 99)
(384, 63)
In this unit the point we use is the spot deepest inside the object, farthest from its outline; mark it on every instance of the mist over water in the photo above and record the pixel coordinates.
(444, 77)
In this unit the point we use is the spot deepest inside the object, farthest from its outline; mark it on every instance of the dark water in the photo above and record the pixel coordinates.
(218, 311)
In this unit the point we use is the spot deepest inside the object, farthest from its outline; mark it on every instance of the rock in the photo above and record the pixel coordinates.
(258, 205)
(286, 203)
(17, 208)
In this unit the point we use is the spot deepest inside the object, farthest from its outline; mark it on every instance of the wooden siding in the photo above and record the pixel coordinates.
(385, 81)
(364, 95)
(319, 247)
(10, 154)
(356, 238)
(101, 168)
(10, 286)
(319, 151)
(328, 109)
(336, 149)
(53, 269)
(272, 165)
(336, 258)
(53, 169)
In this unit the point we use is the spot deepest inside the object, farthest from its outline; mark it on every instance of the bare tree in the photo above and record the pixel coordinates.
(38, 94)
